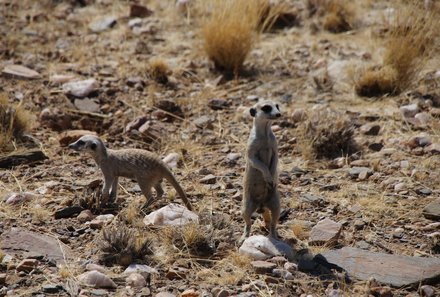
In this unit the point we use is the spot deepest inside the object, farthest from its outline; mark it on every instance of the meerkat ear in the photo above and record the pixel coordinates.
(253, 112)
(93, 146)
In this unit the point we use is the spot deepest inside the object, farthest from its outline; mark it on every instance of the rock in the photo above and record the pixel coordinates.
(381, 291)
(61, 78)
(400, 187)
(233, 157)
(359, 224)
(424, 191)
(219, 292)
(432, 210)
(393, 270)
(80, 88)
(325, 232)
(174, 274)
(85, 216)
(433, 149)
(97, 279)
(299, 115)
(204, 122)
(409, 111)
(139, 11)
(136, 280)
(144, 270)
(423, 118)
(375, 146)
(209, 179)
(171, 160)
(218, 104)
(18, 198)
(169, 106)
(164, 294)
(427, 291)
(189, 293)
(291, 267)
(87, 105)
(312, 199)
(172, 214)
(421, 140)
(260, 247)
(282, 273)
(101, 220)
(68, 212)
(2, 279)
(27, 265)
(92, 266)
(71, 136)
(102, 24)
(370, 129)
(51, 289)
(19, 71)
(21, 157)
(263, 267)
(354, 172)
(18, 241)
(136, 123)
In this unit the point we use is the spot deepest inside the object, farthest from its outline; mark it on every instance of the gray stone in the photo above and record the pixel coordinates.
(31, 244)
(355, 171)
(432, 210)
(19, 71)
(370, 129)
(87, 105)
(102, 24)
(51, 289)
(325, 232)
(410, 110)
(27, 265)
(433, 148)
(164, 294)
(312, 199)
(260, 247)
(394, 270)
(80, 88)
(427, 291)
(204, 122)
(209, 179)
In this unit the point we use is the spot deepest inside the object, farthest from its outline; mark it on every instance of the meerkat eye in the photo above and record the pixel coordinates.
(80, 142)
(266, 108)
(93, 146)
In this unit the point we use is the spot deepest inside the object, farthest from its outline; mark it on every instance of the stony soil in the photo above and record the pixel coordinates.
(202, 117)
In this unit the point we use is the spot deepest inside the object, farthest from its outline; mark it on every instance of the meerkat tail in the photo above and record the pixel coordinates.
(172, 180)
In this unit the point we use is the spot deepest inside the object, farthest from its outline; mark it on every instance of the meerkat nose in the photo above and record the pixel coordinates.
(278, 115)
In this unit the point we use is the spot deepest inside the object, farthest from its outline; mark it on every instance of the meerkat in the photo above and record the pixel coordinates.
(261, 177)
(143, 166)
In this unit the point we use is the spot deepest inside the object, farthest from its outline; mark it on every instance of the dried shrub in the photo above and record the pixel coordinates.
(410, 41)
(122, 245)
(14, 121)
(231, 29)
(327, 134)
(158, 70)
(191, 238)
(338, 15)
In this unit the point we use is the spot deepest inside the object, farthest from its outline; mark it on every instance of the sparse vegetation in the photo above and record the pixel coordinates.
(327, 134)
(338, 15)
(158, 70)
(410, 41)
(231, 30)
(122, 245)
(14, 121)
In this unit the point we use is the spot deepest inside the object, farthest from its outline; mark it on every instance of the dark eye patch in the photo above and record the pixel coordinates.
(266, 108)
(277, 107)
(80, 142)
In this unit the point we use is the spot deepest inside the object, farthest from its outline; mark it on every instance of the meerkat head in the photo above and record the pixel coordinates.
(265, 110)
(88, 143)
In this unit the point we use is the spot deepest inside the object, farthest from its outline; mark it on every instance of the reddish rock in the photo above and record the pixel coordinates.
(325, 232)
(263, 267)
(27, 265)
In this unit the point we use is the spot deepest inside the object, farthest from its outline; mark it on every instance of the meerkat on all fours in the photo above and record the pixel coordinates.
(143, 166)
(260, 177)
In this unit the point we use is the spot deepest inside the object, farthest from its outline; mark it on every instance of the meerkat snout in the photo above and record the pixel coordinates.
(265, 110)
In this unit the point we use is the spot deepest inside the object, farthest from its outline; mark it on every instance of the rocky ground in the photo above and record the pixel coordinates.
(379, 206)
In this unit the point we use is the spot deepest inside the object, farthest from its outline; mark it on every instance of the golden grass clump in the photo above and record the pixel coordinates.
(327, 134)
(192, 239)
(231, 29)
(339, 15)
(158, 70)
(14, 121)
(409, 42)
(122, 245)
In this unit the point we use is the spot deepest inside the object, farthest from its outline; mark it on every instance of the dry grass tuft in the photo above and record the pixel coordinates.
(122, 245)
(14, 121)
(158, 70)
(410, 41)
(231, 29)
(192, 239)
(339, 15)
(327, 134)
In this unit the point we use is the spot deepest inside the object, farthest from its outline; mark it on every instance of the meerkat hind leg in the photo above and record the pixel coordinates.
(274, 207)
(114, 190)
(159, 189)
(146, 190)
(249, 207)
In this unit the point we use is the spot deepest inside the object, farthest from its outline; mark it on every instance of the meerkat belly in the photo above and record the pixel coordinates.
(256, 185)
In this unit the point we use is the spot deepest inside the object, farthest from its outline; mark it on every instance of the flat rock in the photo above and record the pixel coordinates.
(172, 214)
(18, 198)
(87, 105)
(144, 270)
(260, 247)
(410, 110)
(80, 88)
(18, 241)
(325, 232)
(432, 210)
(204, 122)
(96, 279)
(433, 148)
(370, 129)
(139, 11)
(102, 24)
(393, 270)
(19, 71)
(210, 179)
(263, 267)
(354, 172)
(68, 212)
(27, 265)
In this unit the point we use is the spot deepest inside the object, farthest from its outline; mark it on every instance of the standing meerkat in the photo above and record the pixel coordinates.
(143, 166)
(260, 177)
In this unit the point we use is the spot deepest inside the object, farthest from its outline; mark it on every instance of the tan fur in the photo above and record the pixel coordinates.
(143, 166)
(260, 178)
